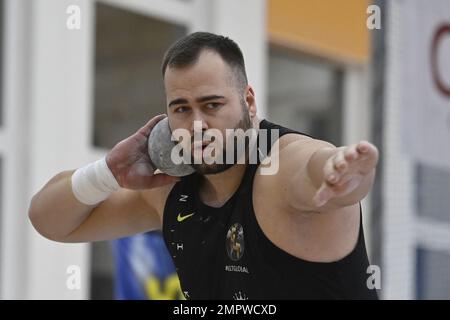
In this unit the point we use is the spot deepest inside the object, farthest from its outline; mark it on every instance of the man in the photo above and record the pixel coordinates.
(233, 232)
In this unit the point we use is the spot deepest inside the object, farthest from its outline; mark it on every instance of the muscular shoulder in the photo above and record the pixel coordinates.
(286, 169)
(300, 144)
(287, 149)
(289, 138)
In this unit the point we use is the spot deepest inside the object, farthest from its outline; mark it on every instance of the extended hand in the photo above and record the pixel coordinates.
(345, 171)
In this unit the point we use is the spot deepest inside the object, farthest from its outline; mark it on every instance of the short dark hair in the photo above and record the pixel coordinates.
(186, 51)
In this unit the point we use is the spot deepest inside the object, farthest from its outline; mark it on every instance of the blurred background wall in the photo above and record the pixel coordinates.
(69, 94)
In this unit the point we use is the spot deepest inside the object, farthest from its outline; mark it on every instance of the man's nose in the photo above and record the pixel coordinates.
(198, 124)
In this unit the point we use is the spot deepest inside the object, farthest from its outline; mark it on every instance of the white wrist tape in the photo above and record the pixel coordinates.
(94, 182)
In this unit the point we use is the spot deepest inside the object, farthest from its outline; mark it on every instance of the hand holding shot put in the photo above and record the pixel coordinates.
(231, 230)
(130, 161)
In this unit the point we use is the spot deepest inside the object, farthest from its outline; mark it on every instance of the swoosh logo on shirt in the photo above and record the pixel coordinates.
(181, 218)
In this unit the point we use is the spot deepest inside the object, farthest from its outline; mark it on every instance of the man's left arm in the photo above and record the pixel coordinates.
(316, 176)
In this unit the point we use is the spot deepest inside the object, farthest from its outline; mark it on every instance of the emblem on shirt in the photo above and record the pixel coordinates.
(181, 218)
(235, 242)
(239, 296)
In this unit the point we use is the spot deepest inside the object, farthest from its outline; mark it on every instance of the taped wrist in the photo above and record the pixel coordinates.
(94, 182)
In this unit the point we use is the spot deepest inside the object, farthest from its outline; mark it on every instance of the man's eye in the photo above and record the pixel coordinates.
(212, 105)
(180, 109)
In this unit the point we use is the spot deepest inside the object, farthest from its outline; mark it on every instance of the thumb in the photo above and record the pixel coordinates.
(323, 195)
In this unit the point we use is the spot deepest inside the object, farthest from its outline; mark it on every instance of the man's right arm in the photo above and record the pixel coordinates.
(116, 196)
(57, 214)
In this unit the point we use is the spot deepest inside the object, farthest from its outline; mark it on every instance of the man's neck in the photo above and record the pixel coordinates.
(216, 189)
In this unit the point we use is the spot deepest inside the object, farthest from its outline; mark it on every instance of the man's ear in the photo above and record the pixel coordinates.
(250, 100)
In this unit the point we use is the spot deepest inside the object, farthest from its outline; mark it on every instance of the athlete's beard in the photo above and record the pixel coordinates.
(244, 124)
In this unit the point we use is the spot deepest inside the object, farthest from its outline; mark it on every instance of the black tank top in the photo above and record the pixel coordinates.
(222, 253)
